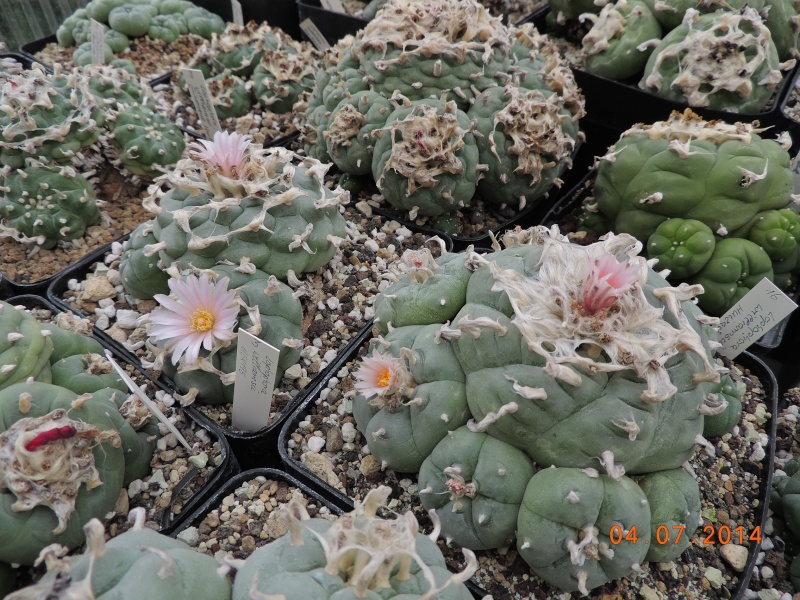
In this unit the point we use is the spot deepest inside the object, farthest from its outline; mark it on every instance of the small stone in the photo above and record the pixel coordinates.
(333, 440)
(649, 593)
(323, 468)
(102, 322)
(248, 544)
(158, 479)
(767, 572)
(293, 372)
(714, 577)
(315, 444)
(199, 460)
(348, 433)
(734, 555)
(127, 318)
(135, 487)
(370, 467)
(97, 288)
(190, 535)
(116, 333)
(769, 595)
(212, 520)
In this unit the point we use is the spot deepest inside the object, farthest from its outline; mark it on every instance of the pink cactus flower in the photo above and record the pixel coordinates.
(198, 313)
(226, 151)
(379, 375)
(607, 281)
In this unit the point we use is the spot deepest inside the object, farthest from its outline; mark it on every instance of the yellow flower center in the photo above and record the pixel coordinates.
(201, 320)
(384, 378)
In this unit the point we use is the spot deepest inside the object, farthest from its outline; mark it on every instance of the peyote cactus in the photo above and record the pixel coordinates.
(511, 334)
(136, 562)
(359, 555)
(46, 205)
(725, 61)
(457, 80)
(147, 141)
(711, 200)
(47, 116)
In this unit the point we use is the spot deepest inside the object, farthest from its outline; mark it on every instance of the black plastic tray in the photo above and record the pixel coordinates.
(251, 448)
(333, 25)
(571, 201)
(747, 360)
(222, 473)
(619, 105)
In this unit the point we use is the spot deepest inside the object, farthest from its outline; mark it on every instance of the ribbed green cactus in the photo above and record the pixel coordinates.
(46, 205)
(359, 555)
(24, 348)
(617, 45)
(726, 61)
(267, 211)
(147, 141)
(83, 54)
(721, 423)
(46, 116)
(232, 96)
(579, 358)
(710, 200)
(473, 102)
(137, 562)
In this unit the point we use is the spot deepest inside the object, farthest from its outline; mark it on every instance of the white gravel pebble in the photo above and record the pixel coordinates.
(190, 535)
(348, 433)
(127, 318)
(315, 444)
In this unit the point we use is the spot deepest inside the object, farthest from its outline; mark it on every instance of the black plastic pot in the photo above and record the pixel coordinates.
(572, 201)
(747, 360)
(23, 59)
(333, 25)
(227, 469)
(619, 105)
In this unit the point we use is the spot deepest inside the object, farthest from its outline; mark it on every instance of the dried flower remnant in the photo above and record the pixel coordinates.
(202, 313)
(607, 281)
(226, 151)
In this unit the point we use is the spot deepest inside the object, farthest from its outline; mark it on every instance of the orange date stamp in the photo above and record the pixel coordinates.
(711, 536)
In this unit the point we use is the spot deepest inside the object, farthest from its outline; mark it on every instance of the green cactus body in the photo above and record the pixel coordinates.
(69, 343)
(100, 9)
(786, 270)
(117, 41)
(526, 138)
(147, 141)
(131, 19)
(683, 246)
(85, 374)
(232, 96)
(476, 484)
(46, 116)
(783, 20)
(203, 22)
(404, 428)
(83, 54)
(566, 523)
(113, 85)
(425, 160)
(24, 349)
(79, 490)
(171, 7)
(280, 317)
(164, 27)
(301, 222)
(282, 76)
(614, 44)
(674, 499)
(138, 561)
(138, 269)
(734, 269)
(776, 231)
(670, 12)
(47, 205)
(8, 579)
(65, 32)
(357, 556)
(694, 63)
(349, 133)
(564, 10)
(715, 425)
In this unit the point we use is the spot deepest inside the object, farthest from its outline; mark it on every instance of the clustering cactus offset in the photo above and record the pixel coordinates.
(66, 444)
(137, 562)
(359, 555)
(148, 142)
(51, 117)
(435, 98)
(711, 201)
(45, 205)
(580, 359)
(159, 19)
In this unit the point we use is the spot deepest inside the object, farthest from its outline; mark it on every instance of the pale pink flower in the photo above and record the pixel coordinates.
(226, 151)
(607, 281)
(198, 313)
(380, 375)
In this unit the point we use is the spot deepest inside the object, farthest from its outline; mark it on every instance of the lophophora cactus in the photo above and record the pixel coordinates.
(439, 100)
(136, 562)
(252, 63)
(576, 361)
(52, 117)
(711, 201)
(359, 555)
(69, 438)
(250, 215)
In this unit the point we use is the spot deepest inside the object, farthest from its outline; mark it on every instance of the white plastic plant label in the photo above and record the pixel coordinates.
(238, 16)
(201, 98)
(333, 5)
(759, 311)
(98, 43)
(256, 365)
(314, 34)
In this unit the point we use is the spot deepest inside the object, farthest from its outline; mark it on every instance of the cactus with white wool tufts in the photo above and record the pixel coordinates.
(580, 358)
(358, 555)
